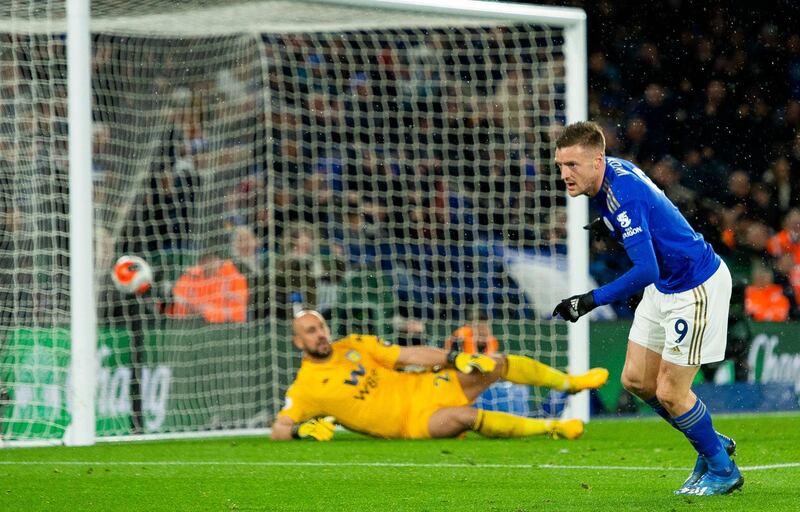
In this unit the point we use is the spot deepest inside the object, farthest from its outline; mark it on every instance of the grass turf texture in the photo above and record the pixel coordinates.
(358, 473)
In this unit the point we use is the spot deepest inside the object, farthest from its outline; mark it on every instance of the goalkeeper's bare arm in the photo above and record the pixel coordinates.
(355, 381)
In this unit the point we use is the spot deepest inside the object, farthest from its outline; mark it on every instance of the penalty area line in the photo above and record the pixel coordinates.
(371, 465)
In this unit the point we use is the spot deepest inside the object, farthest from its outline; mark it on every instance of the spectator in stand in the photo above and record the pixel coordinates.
(794, 158)
(666, 174)
(247, 251)
(213, 289)
(656, 113)
(249, 257)
(764, 300)
(737, 199)
(762, 206)
(408, 331)
(787, 275)
(305, 276)
(786, 194)
(475, 337)
(787, 241)
(17, 270)
(356, 235)
(705, 173)
(748, 246)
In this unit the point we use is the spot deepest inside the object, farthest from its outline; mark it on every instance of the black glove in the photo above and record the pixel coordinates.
(599, 231)
(575, 307)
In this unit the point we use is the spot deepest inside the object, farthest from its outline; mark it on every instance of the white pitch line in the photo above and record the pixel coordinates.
(609, 468)
(371, 464)
(772, 466)
(655, 468)
(269, 463)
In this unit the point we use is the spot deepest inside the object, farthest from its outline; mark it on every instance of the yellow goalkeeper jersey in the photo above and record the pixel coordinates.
(359, 386)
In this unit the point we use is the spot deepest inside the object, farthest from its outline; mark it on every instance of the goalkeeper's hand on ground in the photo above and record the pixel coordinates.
(465, 363)
(320, 429)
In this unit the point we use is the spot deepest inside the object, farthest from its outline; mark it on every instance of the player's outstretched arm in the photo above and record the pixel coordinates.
(430, 357)
(282, 428)
(643, 273)
(467, 363)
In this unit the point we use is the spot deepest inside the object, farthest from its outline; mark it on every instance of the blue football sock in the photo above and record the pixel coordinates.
(697, 427)
(659, 409)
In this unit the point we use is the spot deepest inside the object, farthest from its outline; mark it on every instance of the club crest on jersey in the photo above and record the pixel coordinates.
(623, 219)
(353, 356)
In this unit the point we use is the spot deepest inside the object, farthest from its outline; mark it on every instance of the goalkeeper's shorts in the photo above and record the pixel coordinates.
(432, 392)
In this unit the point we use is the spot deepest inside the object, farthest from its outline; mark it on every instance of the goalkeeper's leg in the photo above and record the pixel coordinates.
(452, 421)
(525, 370)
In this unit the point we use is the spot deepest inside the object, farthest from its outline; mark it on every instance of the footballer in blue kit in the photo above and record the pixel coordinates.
(682, 319)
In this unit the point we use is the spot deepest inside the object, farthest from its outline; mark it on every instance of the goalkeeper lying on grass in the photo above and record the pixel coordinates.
(354, 380)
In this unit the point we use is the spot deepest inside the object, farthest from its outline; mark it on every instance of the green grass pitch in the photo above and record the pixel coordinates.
(618, 465)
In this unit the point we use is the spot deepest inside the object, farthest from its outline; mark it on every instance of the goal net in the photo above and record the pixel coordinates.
(389, 167)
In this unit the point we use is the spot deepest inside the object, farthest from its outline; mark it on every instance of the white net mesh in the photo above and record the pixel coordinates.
(382, 166)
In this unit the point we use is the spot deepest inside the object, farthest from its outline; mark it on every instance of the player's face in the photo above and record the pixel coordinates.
(581, 169)
(481, 333)
(312, 335)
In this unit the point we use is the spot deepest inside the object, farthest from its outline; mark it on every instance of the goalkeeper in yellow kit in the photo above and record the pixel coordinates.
(355, 381)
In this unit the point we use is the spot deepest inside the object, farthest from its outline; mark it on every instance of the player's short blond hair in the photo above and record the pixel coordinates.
(584, 133)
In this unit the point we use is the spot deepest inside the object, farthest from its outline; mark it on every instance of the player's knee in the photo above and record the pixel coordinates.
(669, 397)
(635, 384)
(451, 421)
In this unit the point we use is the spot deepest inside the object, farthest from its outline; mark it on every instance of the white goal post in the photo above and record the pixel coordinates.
(409, 140)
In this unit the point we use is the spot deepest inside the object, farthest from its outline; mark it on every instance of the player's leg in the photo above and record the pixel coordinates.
(690, 416)
(640, 375)
(696, 330)
(452, 421)
(526, 370)
(645, 346)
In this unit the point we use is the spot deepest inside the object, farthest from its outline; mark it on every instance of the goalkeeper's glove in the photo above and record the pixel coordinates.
(320, 429)
(575, 307)
(465, 363)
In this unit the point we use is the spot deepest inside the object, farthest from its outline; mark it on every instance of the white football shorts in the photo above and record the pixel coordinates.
(687, 328)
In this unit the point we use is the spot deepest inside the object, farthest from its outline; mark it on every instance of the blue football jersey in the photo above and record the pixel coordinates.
(637, 211)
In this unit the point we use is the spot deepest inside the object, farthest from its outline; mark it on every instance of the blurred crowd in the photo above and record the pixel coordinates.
(705, 98)
(415, 153)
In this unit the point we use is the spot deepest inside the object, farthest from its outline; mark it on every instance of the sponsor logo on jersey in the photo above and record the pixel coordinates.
(353, 356)
(615, 164)
(623, 219)
(631, 231)
(370, 383)
(355, 375)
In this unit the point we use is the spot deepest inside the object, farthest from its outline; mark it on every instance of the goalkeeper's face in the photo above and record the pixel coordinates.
(312, 335)
(581, 169)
